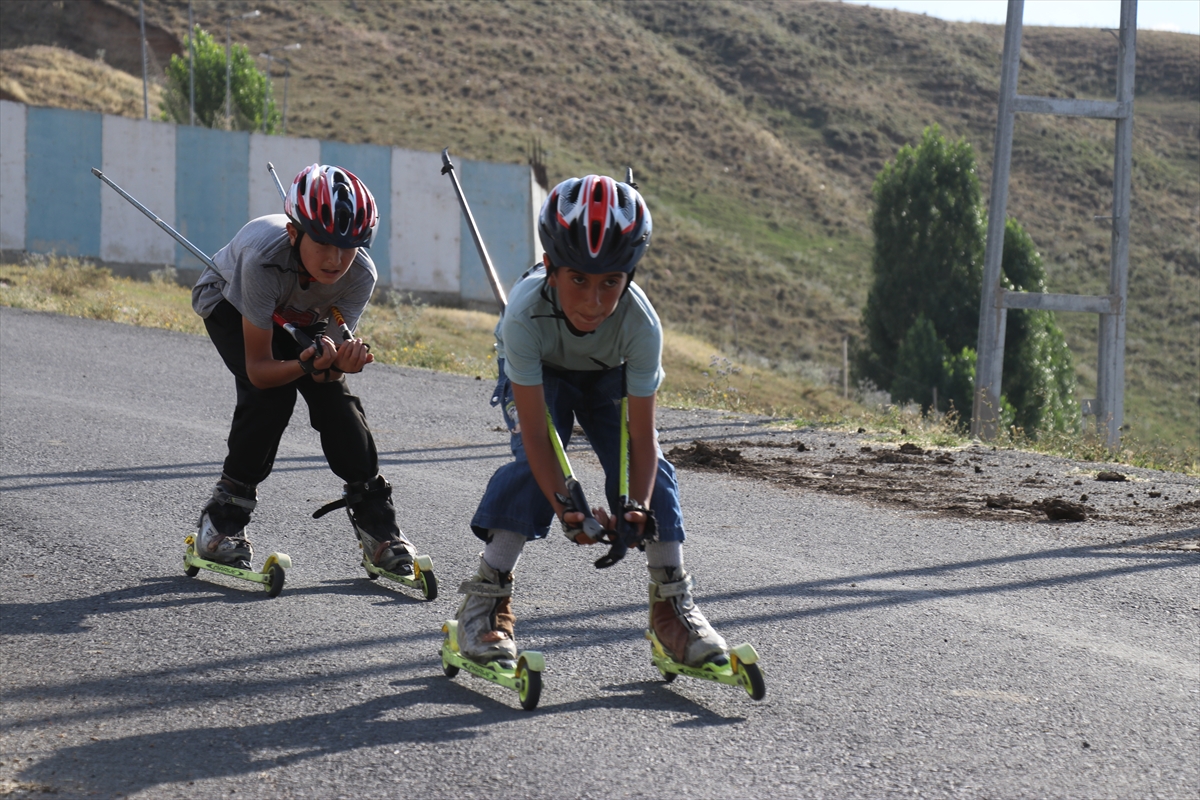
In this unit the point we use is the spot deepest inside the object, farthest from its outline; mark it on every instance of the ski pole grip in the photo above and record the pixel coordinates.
(591, 527)
(341, 323)
(300, 336)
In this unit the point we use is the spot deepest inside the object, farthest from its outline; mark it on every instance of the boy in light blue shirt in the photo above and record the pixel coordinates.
(577, 336)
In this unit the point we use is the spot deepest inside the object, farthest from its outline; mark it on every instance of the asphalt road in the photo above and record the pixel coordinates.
(905, 654)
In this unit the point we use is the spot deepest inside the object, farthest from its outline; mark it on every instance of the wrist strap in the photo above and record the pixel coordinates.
(307, 366)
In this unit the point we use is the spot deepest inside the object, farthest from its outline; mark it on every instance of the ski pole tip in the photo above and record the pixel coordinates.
(270, 167)
(446, 157)
(97, 173)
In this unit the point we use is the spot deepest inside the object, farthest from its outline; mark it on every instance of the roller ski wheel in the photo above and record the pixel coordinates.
(740, 668)
(524, 675)
(422, 577)
(272, 575)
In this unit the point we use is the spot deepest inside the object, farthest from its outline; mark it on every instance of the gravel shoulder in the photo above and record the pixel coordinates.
(976, 481)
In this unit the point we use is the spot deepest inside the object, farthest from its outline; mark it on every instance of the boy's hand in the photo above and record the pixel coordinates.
(610, 523)
(326, 359)
(352, 356)
(573, 521)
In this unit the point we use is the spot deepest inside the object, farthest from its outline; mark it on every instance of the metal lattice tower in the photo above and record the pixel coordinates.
(1109, 405)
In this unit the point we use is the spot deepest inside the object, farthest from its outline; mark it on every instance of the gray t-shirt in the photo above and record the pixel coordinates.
(258, 276)
(532, 332)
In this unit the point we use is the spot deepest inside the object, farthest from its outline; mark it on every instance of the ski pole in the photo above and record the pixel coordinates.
(574, 500)
(176, 235)
(278, 185)
(296, 333)
(492, 276)
(302, 338)
(341, 323)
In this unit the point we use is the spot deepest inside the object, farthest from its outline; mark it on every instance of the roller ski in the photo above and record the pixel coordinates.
(683, 643)
(385, 551)
(220, 545)
(480, 638)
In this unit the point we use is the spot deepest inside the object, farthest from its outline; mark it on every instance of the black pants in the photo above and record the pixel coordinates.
(262, 415)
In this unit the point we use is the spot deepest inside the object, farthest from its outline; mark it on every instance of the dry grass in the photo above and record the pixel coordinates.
(51, 76)
(408, 333)
(80, 289)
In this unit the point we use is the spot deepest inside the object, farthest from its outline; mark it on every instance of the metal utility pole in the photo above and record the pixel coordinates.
(1109, 406)
(271, 58)
(229, 61)
(191, 67)
(145, 70)
(287, 73)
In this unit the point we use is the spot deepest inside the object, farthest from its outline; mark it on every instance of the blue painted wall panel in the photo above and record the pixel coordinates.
(499, 195)
(63, 197)
(212, 189)
(372, 164)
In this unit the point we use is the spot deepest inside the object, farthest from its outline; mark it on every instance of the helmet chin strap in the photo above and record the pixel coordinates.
(560, 314)
(628, 283)
(302, 272)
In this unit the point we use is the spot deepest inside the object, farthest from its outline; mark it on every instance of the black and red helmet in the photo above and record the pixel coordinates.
(333, 206)
(595, 225)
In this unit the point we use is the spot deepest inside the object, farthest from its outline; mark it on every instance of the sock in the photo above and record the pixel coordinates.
(503, 549)
(663, 554)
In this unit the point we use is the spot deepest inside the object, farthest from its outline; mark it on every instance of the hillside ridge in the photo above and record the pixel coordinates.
(756, 130)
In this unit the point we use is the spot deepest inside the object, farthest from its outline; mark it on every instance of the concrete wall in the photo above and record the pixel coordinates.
(426, 261)
(143, 154)
(207, 184)
(12, 176)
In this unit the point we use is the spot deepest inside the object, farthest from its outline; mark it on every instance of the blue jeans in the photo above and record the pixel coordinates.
(514, 502)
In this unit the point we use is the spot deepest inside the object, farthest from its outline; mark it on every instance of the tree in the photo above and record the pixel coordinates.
(248, 85)
(922, 312)
(928, 256)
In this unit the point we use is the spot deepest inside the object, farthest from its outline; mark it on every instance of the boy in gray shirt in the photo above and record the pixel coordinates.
(297, 267)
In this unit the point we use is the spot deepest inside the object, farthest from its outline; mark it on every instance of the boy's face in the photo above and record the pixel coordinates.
(325, 263)
(587, 300)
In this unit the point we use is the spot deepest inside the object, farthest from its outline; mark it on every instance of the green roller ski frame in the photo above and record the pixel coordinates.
(525, 678)
(272, 575)
(422, 577)
(740, 670)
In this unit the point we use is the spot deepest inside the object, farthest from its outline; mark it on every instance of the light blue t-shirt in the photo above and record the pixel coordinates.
(533, 332)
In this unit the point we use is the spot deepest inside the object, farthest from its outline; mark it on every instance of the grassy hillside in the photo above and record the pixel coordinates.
(756, 129)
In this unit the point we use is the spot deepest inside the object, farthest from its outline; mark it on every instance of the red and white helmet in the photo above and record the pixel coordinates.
(333, 206)
(595, 225)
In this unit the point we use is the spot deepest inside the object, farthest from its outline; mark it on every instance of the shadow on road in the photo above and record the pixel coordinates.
(207, 470)
(140, 762)
(68, 616)
(853, 593)
(199, 753)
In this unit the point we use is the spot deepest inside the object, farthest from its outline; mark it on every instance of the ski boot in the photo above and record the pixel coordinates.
(385, 551)
(480, 638)
(220, 544)
(683, 643)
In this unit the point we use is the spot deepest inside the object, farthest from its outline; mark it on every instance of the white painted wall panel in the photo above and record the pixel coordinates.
(538, 197)
(138, 156)
(425, 224)
(289, 156)
(12, 175)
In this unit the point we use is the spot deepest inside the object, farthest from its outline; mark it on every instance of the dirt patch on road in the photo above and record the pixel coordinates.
(977, 481)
